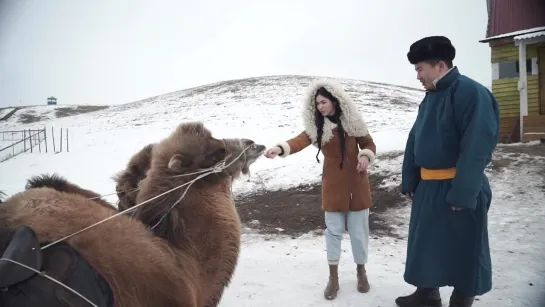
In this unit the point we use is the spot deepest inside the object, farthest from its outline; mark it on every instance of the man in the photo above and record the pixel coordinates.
(448, 148)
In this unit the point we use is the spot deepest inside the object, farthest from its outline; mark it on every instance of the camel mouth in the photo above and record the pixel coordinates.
(255, 150)
(247, 150)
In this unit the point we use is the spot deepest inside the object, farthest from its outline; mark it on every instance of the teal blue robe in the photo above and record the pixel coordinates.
(457, 126)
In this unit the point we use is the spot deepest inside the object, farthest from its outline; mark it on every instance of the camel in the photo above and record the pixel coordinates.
(128, 180)
(188, 261)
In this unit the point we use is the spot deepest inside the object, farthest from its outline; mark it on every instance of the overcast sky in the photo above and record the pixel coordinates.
(118, 51)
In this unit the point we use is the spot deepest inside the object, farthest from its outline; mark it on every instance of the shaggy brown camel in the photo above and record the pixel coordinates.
(189, 268)
(128, 180)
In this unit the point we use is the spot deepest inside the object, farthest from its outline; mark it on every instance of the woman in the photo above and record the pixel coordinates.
(332, 124)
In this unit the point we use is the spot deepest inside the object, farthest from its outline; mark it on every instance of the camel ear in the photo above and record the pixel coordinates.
(178, 161)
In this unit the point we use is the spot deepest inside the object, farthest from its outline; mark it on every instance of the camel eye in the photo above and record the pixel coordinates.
(254, 146)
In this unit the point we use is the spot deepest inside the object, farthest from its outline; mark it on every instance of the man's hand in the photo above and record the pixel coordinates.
(363, 162)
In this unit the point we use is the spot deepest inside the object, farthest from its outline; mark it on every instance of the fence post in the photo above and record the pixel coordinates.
(53, 136)
(39, 140)
(45, 139)
(24, 141)
(30, 139)
(61, 140)
(67, 150)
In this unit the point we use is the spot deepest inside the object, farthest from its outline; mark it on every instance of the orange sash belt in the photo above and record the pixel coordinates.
(437, 174)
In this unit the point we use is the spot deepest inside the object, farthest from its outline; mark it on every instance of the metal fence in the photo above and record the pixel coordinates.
(31, 141)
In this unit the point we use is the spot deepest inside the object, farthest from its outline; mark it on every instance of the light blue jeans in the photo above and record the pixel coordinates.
(357, 224)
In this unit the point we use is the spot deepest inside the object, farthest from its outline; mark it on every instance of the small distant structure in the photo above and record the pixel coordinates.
(51, 100)
(516, 36)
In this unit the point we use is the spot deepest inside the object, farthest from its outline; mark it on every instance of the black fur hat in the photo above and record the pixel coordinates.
(431, 48)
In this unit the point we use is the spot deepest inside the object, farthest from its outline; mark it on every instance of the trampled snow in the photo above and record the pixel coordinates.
(280, 271)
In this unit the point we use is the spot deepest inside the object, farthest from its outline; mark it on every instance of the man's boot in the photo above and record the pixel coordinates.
(457, 300)
(422, 297)
(363, 283)
(332, 287)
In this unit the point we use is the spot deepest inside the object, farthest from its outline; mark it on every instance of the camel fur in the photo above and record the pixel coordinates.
(128, 180)
(192, 255)
(60, 184)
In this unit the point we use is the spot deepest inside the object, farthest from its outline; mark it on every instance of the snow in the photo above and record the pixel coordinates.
(278, 270)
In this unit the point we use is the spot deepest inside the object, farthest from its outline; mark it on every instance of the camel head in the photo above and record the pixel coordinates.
(188, 153)
(248, 151)
(190, 148)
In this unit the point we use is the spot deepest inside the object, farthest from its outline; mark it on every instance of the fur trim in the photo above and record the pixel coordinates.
(352, 121)
(286, 147)
(368, 153)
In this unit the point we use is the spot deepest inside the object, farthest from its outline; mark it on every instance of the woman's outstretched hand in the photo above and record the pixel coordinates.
(363, 162)
(272, 152)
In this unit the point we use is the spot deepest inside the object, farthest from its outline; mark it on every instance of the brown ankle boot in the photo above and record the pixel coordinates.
(363, 283)
(332, 287)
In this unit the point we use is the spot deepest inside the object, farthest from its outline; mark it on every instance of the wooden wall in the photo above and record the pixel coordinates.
(506, 90)
(508, 96)
(506, 127)
(534, 127)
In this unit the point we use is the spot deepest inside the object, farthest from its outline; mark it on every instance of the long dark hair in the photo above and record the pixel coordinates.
(319, 121)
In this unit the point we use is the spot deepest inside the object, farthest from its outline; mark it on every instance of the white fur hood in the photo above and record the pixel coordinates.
(351, 119)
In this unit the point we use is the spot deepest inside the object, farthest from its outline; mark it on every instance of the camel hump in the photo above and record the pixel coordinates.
(53, 181)
(23, 248)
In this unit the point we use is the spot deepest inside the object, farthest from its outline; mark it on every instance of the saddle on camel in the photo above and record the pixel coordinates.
(56, 234)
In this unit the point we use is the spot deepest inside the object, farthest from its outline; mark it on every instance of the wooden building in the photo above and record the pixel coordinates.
(516, 36)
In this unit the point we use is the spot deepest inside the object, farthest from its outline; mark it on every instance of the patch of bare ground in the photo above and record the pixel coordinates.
(29, 117)
(506, 155)
(70, 111)
(297, 210)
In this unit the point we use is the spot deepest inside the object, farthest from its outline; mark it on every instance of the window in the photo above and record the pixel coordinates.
(508, 69)
(528, 66)
(511, 69)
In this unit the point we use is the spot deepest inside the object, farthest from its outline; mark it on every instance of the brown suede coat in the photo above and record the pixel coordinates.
(342, 189)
